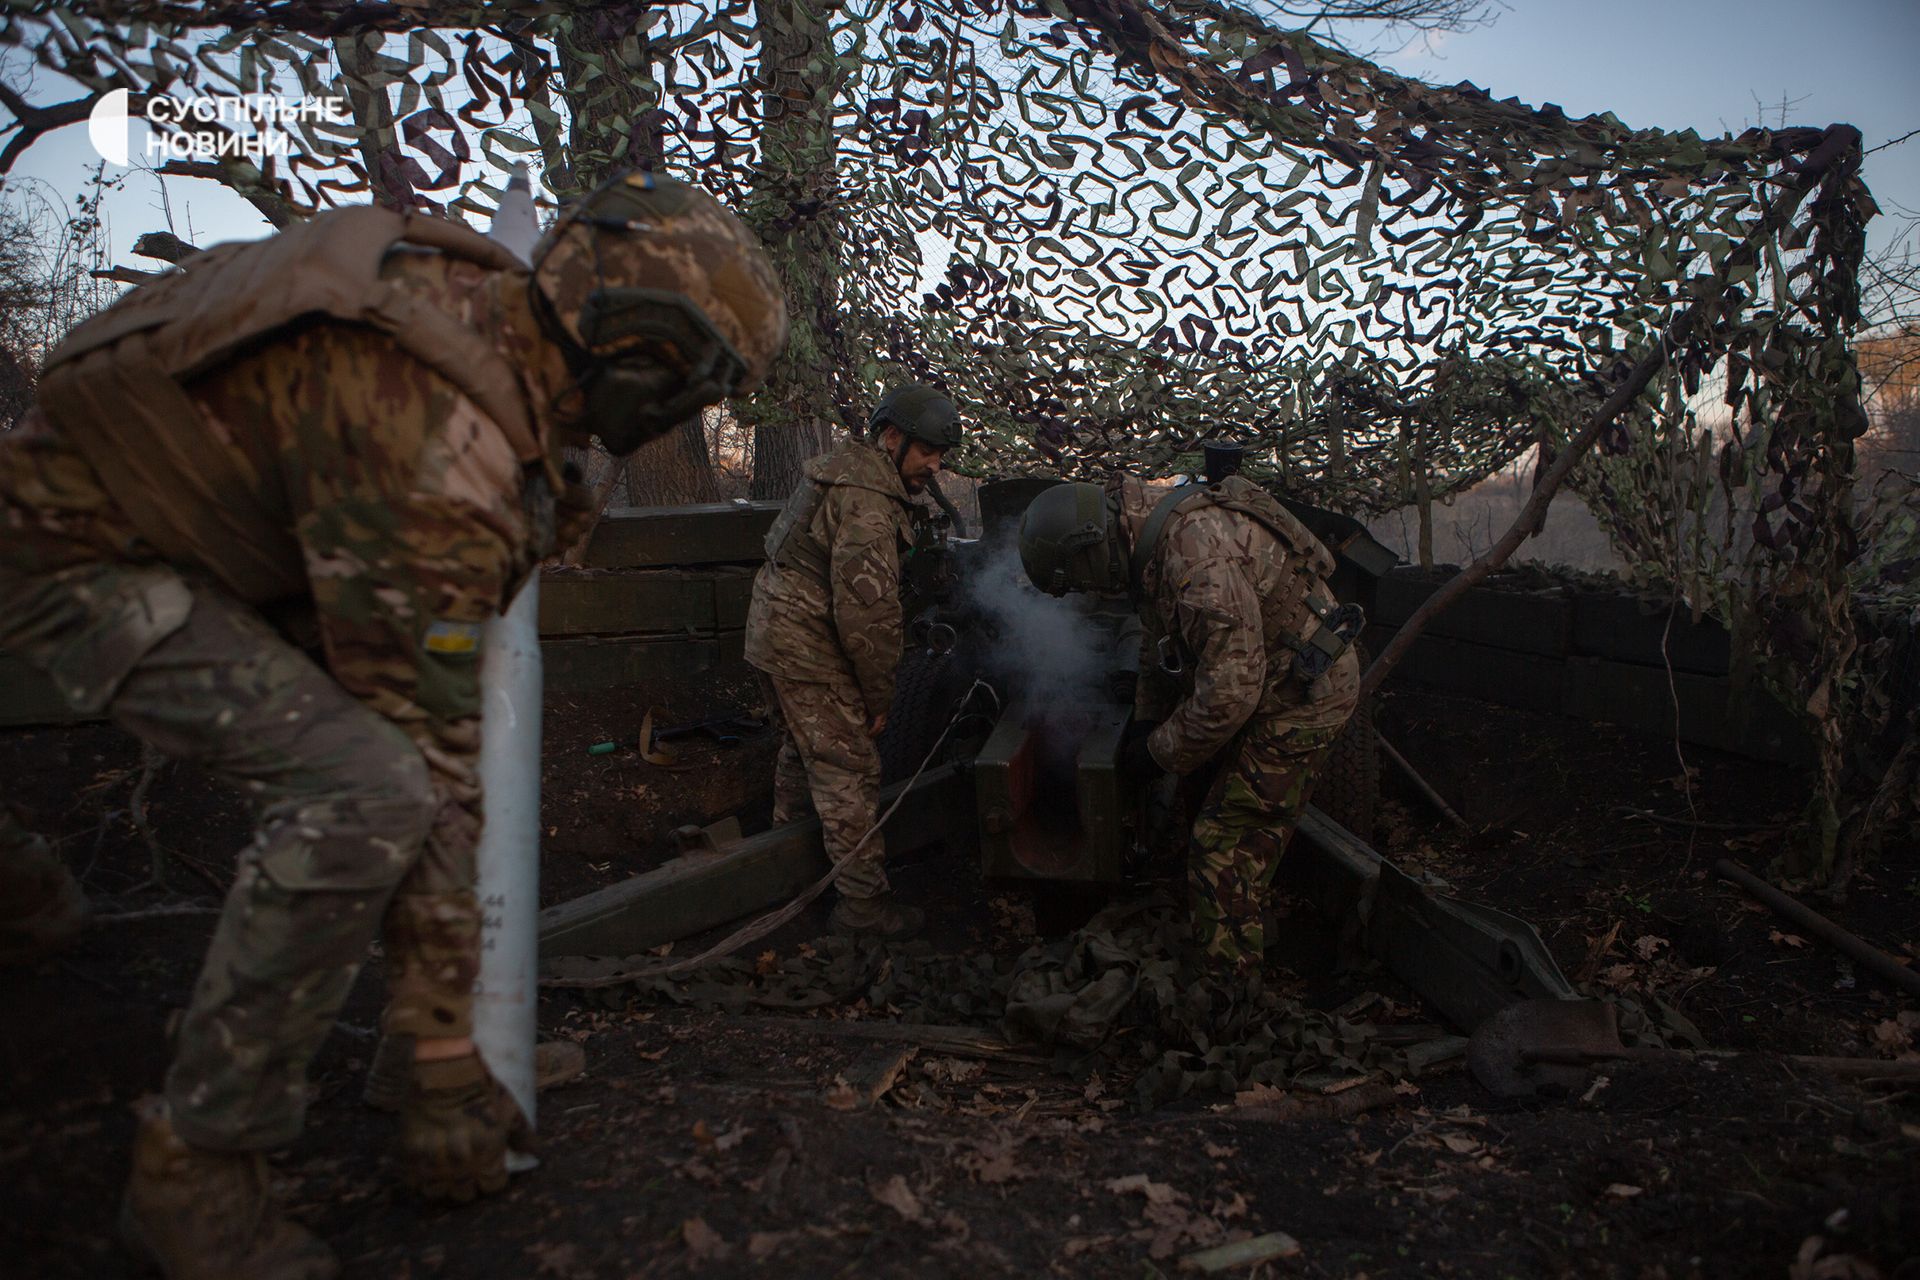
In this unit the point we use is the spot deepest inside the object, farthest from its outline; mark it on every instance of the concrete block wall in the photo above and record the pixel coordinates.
(1612, 657)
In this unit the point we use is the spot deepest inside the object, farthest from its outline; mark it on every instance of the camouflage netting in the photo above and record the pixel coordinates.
(1112, 228)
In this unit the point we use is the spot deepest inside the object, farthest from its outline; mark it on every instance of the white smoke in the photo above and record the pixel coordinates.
(1044, 649)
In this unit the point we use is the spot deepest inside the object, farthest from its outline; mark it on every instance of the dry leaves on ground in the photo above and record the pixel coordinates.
(552, 1259)
(991, 1160)
(898, 1196)
(1256, 1094)
(1809, 1265)
(762, 1245)
(704, 1244)
(953, 1070)
(1896, 1035)
(1168, 1222)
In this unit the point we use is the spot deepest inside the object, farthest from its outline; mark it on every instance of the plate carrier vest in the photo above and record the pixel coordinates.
(1316, 627)
(116, 388)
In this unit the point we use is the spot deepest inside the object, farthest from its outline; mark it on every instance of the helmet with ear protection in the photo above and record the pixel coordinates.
(1069, 541)
(663, 301)
(920, 412)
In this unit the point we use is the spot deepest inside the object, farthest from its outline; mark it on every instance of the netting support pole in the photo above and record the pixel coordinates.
(1337, 435)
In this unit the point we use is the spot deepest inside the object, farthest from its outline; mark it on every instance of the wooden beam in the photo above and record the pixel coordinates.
(706, 533)
(691, 895)
(669, 601)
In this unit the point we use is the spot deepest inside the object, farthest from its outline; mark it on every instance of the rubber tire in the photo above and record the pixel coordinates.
(1348, 790)
(927, 688)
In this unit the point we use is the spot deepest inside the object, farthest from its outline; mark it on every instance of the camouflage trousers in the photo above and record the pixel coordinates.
(349, 833)
(1241, 830)
(828, 764)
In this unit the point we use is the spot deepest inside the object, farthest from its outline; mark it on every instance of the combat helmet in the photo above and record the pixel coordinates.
(1070, 541)
(663, 302)
(921, 413)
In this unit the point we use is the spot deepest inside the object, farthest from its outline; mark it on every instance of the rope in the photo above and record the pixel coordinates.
(766, 924)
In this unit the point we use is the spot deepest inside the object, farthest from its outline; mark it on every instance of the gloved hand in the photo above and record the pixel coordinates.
(1137, 765)
(455, 1129)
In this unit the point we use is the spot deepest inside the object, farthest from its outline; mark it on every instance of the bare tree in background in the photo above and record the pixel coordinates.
(1370, 27)
(794, 212)
(624, 125)
(50, 254)
(1889, 353)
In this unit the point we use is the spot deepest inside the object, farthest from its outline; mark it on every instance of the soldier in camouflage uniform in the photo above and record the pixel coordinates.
(824, 629)
(1233, 598)
(360, 420)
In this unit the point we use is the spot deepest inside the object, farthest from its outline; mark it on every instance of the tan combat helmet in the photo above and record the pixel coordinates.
(663, 301)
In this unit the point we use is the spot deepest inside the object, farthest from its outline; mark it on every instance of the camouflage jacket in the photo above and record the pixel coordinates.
(1223, 593)
(409, 517)
(826, 605)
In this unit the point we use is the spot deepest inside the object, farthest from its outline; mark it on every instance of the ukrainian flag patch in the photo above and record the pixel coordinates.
(445, 636)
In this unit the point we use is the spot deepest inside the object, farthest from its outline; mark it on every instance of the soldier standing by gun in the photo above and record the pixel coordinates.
(824, 628)
(1247, 674)
(362, 416)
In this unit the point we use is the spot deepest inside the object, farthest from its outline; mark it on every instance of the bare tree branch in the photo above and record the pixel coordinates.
(33, 121)
(126, 275)
(1391, 18)
(163, 246)
(326, 18)
(246, 181)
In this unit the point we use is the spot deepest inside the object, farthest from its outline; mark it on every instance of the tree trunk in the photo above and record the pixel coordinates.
(1423, 495)
(674, 470)
(373, 119)
(615, 123)
(796, 212)
(779, 451)
(1337, 438)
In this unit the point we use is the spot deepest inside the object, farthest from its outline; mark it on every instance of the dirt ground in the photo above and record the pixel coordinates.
(731, 1145)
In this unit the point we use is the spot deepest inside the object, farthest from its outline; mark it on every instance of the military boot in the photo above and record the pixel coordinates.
(41, 906)
(208, 1215)
(882, 915)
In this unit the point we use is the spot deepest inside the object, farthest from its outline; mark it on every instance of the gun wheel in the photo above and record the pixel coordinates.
(927, 689)
(1348, 790)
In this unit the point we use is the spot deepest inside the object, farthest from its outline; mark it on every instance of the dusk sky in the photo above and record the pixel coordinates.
(1712, 66)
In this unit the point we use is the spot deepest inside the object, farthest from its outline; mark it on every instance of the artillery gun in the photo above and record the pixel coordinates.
(1028, 782)
(1047, 793)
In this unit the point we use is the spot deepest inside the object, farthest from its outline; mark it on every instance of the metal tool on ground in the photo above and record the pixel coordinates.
(647, 744)
(1421, 784)
(725, 730)
(1553, 1046)
(1865, 955)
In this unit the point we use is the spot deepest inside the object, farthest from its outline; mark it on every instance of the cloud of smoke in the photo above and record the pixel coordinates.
(1044, 650)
